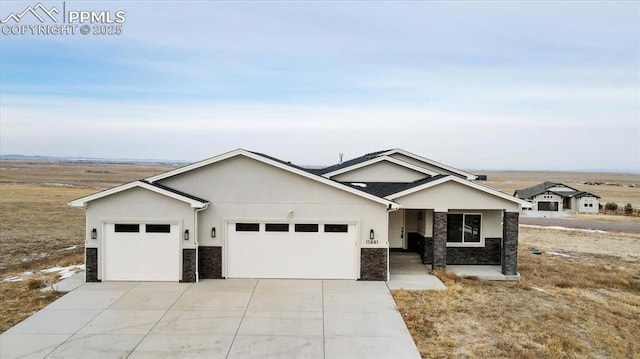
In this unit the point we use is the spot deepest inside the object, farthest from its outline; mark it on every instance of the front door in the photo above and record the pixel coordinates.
(396, 229)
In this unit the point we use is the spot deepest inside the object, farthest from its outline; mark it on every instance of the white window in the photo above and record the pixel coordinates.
(464, 229)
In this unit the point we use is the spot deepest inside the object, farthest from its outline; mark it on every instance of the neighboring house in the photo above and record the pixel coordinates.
(557, 197)
(247, 215)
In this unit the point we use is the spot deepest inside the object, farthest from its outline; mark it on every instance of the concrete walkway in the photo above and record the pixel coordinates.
(408, 273)
(216, 319)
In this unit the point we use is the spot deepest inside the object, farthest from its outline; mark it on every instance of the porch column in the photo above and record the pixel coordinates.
(439, 240)
(509, 252)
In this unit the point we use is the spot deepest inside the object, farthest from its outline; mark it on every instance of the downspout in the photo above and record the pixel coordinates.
(389, 210)
(195, 238)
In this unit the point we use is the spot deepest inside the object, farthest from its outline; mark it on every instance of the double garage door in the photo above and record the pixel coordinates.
(141, 252)
(291, 250)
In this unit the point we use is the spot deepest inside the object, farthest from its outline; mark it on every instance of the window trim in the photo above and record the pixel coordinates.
(146, 228)
(340, 226)
(468, 244)
(238, 226)
(295, 227)
(273, 227)
(115, 228)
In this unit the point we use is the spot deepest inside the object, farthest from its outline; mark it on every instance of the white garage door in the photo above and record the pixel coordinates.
(287, 250)
(141, 252)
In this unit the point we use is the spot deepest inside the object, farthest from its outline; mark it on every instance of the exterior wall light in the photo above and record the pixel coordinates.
(371, 234)
(213, 232)
(186, 235)
(94, 234)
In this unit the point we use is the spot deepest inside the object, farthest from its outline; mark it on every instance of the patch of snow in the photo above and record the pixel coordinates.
(68, 248)
(564, 228)
(538, 289)
(12, 279)
(561, 255)
(65, 272)
(358, 184)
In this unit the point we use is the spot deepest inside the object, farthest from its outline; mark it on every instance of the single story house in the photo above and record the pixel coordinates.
(557, 197)
(244, 214)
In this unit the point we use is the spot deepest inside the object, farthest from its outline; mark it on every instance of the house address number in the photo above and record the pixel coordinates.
(371, 241)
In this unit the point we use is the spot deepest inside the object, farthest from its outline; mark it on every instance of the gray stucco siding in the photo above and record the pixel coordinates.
(241, 188)
(450, 195)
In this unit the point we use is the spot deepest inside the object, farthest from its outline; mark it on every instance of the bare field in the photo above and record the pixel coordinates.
(584, 305)
(509, 181)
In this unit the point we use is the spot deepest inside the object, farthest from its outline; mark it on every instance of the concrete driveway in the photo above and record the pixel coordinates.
(231, 318)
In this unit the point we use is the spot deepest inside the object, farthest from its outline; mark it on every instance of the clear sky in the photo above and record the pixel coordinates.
(547, 85)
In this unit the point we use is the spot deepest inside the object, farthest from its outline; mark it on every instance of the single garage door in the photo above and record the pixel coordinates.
(141, 252)
(291, 250)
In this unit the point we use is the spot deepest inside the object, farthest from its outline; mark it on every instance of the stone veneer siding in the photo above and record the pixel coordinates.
(439, 260)
(210, 262)
(487, 255)
(188, 265)
(427, 254)
(373, 264)
(510, 243)
(91, 265)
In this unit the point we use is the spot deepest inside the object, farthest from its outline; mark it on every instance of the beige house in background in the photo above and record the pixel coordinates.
(244, 214)
(550, 197)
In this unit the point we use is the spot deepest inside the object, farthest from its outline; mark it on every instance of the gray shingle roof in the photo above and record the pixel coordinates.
(379, 189)
(383, 189)
(175, 191)
(351, 162)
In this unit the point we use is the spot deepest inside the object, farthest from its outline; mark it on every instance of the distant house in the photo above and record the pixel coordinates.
(557, 197)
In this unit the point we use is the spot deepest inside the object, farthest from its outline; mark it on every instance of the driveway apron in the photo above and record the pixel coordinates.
(232, 318)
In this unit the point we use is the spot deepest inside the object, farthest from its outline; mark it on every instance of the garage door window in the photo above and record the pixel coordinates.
(158, 228)
(247, 227)
(336, 228)
(304, 227)
(127, 228)
(277, 227)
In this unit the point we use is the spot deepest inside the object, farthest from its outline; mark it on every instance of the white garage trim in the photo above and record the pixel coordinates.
(153, 256)
(234, 265)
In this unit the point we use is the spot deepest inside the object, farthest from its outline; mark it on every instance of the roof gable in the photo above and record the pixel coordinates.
(474, 185)
(275, 163)
(464, 174)
(193, 201)
(387, 154)
(379, 161)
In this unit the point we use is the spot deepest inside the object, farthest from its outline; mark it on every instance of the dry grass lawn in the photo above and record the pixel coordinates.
(583, 306)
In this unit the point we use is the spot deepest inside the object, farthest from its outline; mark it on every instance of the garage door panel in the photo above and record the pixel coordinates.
(141, 256)
(311, 255)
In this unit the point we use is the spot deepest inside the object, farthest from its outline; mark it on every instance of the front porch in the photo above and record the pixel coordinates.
(478, 243)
